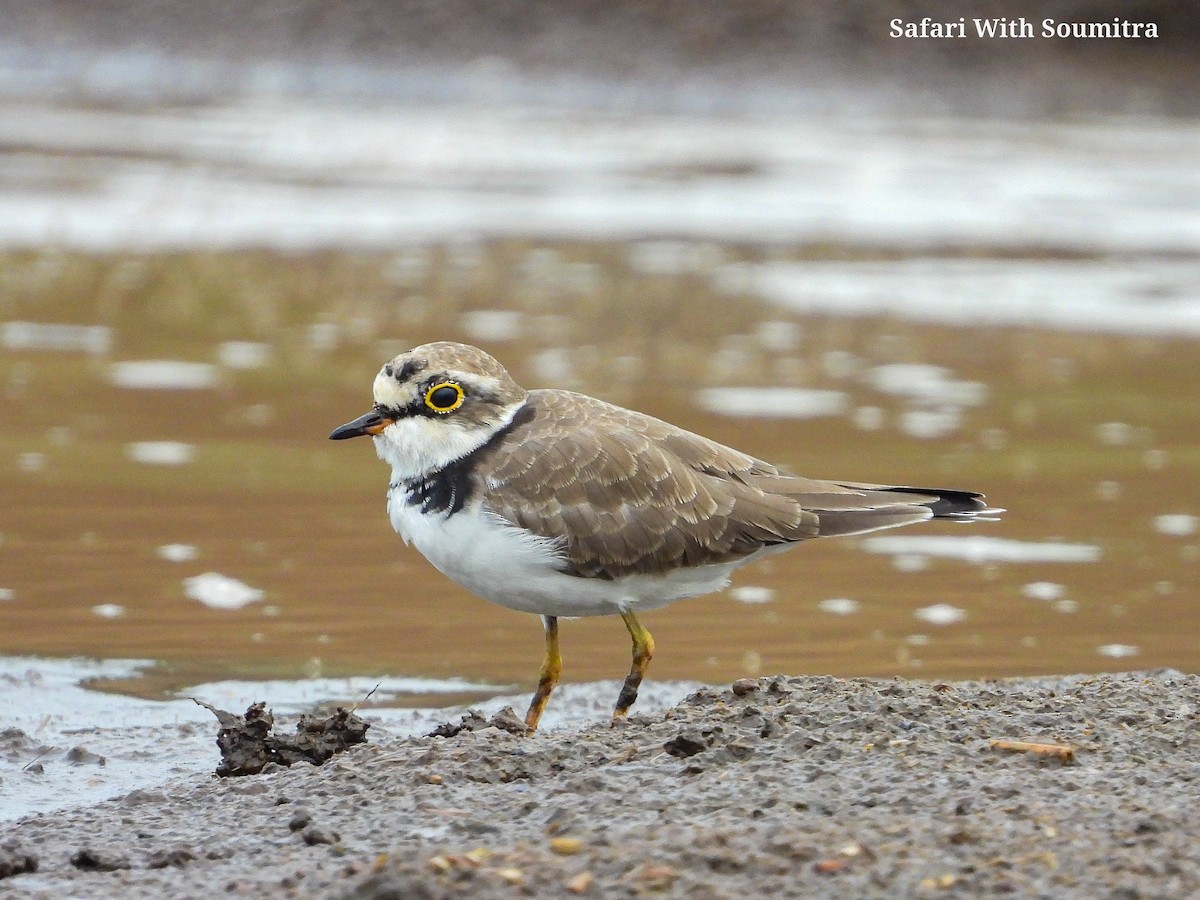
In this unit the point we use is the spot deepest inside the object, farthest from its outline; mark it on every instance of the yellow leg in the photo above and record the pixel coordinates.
(643, 651)
(548, 676)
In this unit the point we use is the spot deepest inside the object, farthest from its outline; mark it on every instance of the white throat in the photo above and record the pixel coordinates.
(416, 446)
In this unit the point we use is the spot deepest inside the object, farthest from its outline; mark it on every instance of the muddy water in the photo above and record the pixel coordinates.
(122, 483)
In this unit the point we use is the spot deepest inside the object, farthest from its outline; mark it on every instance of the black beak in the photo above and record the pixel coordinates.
(371, 423)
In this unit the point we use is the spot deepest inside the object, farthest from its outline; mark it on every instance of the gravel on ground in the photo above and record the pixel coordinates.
(1086, 785)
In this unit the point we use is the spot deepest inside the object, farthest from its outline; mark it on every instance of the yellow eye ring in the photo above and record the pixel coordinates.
(444, 397)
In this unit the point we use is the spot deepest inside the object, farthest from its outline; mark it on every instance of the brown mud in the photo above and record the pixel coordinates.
(249, 743)
(813, 786)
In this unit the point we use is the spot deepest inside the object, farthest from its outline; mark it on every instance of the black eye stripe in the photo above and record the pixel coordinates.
(481, 399)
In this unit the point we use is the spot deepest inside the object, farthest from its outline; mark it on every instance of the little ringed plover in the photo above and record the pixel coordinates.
(555, 503)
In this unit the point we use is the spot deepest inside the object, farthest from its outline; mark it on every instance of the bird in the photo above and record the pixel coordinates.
(556, 503)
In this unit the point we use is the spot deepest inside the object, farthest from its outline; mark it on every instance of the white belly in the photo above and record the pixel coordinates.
(521, 570)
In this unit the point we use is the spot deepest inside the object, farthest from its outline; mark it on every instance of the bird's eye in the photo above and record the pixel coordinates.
(445, 397)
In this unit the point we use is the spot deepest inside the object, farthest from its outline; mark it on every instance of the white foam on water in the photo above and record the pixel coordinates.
(1118, 651)
(772, 402)
(982, 549)
(840, 606)
(926, 384)
(244, 354)
(930, 424)
(108, 610)
(941, 614)
(1114, 434)
(160, 453)
(177, 552)
(1089, 296)
(93, 339)
(218, 591)
(1176, 524)
(1043, 590)
(297, 172)
(752, 594)
(163, 375)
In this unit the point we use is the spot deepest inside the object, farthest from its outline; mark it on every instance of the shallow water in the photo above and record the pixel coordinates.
(63, 744)
(1006, 307)
(194, 512)
(315, 173)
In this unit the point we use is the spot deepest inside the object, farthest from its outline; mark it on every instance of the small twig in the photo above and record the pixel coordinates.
(25, 768)
(355, 707)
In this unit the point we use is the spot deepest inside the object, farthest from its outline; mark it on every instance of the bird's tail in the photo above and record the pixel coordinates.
(945, 503)
(878, 506)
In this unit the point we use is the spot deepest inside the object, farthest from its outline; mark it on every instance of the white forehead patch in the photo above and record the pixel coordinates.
(390, 393)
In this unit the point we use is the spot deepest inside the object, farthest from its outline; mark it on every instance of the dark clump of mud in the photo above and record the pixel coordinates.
(90, 860)
(505, 720)
(249, 743)
(1081, 786)
(16, 859)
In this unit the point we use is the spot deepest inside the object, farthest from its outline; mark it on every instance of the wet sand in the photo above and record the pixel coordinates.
(809, 786)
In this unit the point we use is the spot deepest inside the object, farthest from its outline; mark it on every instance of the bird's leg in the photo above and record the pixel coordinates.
(548, 676)
(643, 650)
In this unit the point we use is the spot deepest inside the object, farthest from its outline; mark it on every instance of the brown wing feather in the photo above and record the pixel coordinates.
(628, 493)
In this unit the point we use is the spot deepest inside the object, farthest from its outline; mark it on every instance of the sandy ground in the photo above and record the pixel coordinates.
(783, 786)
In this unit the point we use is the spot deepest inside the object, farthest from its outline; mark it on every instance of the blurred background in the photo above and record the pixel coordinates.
(966, 263)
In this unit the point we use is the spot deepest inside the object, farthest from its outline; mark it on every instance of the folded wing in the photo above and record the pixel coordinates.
(627, 493)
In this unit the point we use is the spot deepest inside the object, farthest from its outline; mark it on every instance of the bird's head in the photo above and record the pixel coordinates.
(435, 404)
